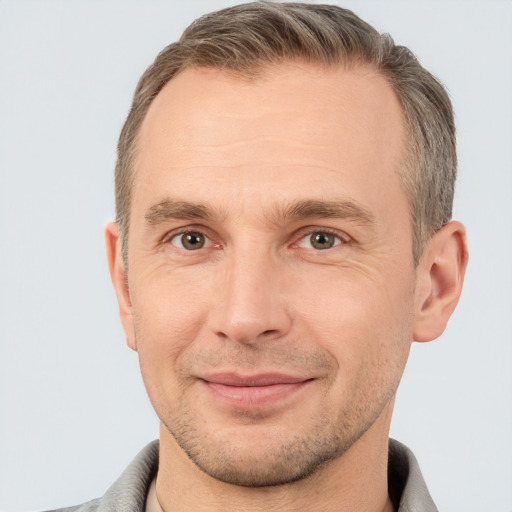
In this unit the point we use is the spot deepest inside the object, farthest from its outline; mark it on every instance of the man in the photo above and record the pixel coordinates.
(283, 187)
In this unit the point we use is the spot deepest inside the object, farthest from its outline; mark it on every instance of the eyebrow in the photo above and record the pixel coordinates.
(342, 209)
(170, 209)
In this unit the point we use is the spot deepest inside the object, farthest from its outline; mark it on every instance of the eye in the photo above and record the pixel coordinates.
(320, 240)
(190, 241)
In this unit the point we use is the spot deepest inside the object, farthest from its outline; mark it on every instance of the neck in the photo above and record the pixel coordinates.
(355, 481)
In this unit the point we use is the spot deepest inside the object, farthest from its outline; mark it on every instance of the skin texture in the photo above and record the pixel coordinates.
(273, 363)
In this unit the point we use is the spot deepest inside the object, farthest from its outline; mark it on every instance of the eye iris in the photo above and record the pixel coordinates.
(192, 241)
(322, 240)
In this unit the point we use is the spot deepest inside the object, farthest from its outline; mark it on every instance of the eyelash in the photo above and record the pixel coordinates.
(308, 232)
(169, 237)
(299, 237)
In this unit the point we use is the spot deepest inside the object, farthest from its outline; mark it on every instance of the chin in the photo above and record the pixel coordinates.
(264, 469)
(262, 460)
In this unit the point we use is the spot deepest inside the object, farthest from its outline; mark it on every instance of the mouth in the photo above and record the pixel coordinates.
(253, 391)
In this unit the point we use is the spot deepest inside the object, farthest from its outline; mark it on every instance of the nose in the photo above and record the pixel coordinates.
(252, 305)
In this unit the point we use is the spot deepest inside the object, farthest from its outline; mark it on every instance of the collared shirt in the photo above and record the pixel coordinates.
(135, 489)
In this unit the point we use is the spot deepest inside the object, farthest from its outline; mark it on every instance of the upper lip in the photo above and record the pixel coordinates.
(261, 379)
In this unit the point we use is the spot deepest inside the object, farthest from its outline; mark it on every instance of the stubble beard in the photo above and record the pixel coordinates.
(280, 461)
(279, 457)
(294, 459)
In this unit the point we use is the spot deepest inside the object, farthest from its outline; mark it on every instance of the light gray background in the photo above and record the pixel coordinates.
(73, 410)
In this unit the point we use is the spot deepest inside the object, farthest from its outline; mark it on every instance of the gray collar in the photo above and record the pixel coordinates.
(406, 485)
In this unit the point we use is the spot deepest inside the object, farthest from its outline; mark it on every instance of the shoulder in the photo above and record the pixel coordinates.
(130, 490)
(90, 506)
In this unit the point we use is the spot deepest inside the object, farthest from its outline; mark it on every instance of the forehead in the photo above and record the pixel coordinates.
(293, 122)
(279, 94)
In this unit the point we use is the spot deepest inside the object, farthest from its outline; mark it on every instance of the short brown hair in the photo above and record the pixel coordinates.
(245, 38)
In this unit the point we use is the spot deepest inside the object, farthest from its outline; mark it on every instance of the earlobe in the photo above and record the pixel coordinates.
(120, 281)
(440, 279)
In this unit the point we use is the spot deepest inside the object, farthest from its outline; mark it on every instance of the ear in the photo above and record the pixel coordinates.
(120, 281)
(440, 275)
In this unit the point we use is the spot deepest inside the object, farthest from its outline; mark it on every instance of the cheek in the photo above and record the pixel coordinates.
(362, 320)
(168, 304)
(168, 315)
(164, 328)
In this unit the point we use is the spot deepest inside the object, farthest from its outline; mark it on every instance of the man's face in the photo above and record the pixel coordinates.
(270, 273)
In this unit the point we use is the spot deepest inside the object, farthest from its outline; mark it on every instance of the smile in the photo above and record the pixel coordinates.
(253, 391)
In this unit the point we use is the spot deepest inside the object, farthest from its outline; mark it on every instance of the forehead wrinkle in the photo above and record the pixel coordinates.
(238, 141)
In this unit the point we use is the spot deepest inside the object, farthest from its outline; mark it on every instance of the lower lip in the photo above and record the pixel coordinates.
(254, 396)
